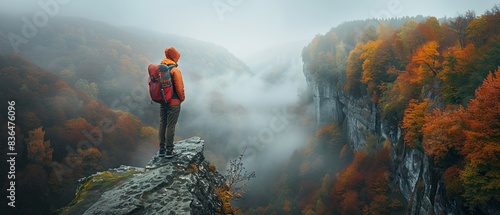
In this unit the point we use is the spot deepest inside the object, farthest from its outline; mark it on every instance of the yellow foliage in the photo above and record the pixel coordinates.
(148, 132)
(426, 61)
(369, 54)
(224, 196)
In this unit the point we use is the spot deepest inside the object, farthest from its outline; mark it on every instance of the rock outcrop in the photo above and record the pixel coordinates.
(184, 184)
(412, 171)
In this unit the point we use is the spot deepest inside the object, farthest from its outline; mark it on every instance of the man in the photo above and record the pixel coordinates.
(169, 113)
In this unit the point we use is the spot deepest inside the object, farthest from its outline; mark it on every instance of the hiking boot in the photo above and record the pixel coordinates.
(170, 153)
(162, 152)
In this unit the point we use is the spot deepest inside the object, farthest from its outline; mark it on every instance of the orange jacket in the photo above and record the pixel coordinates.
(172, 57)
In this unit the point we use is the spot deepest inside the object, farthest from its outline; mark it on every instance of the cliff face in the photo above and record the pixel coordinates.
(412, 171)
(183, 184)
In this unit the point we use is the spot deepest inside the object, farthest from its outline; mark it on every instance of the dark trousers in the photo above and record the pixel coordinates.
(168, 120)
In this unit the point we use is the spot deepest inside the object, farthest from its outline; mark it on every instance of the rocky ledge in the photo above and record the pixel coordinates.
(184, 184)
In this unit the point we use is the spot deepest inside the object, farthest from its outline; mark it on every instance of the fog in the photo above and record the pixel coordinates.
(245, 27)
(251, 110)
(256, 110)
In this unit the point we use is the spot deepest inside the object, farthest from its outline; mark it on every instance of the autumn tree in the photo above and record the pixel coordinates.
(425, 32)
(413, 121)
(39, 150)
(90, 160)
(443, 135)
(330, 137)
(362, 187)
(481, 175)
(354, 70)
(458, 68)
(74, 127)
(481, 54)
(399, 93)
(426, 62)
(378, 59)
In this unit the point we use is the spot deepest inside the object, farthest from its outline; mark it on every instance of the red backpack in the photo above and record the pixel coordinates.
(160, 82)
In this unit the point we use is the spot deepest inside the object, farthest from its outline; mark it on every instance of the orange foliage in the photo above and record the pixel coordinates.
(363, 185)
(73, 129)
(399, 93)
(354, 71)
(442, 132)
(472, 133)
(39, 150)
(348, 176)
(425, 32)
(483, 120)
(350, 203)
(379, 57)
(413, 121)
(370, 70)
(480, 175)
(426, 62)
(378, 206)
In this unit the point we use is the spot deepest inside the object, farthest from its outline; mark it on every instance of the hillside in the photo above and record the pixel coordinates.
(63, 134)
(399, 116)
(86, 84)
(407, 115)
(109, 62)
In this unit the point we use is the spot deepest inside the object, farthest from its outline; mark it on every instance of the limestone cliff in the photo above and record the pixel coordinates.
(183, 184)
(412, 172)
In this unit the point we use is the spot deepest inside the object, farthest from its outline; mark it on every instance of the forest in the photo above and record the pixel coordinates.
(81, 108)
(64, 134)
(437, 79)
(82, 104)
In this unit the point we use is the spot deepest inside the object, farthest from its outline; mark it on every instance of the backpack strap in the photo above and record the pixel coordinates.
(164, 67)
(168, 68)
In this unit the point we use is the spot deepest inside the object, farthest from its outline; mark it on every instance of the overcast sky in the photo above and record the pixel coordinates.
(245, 27)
